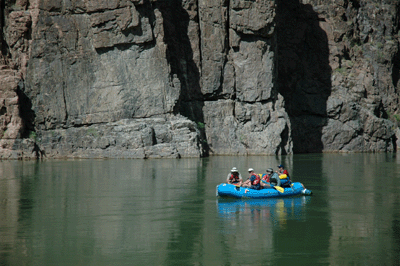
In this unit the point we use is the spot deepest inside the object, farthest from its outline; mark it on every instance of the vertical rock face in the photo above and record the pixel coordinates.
(187, 78)
(243, 112)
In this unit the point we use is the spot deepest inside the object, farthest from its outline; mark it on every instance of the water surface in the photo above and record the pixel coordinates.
(165, 212)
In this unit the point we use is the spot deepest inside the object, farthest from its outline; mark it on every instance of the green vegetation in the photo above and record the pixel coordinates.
(388, 38)
(93, 132)
(350, 64)
(355, 42)
(379, 45)
(33, 136)
(394, 118)
(357, 49)
(200, 125)
(380, 56)
(341, 70)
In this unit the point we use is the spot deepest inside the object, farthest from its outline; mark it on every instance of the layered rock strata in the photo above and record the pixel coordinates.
(191, 78)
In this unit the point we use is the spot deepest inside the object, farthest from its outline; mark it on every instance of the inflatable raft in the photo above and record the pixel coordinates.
(231, 191)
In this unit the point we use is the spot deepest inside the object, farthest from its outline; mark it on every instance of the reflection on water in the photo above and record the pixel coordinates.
(250, 221)
(364, 203)
(274, 211)
(94, 210)
(164, 212)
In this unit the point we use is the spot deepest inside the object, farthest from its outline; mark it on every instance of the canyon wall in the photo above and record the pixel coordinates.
(192, 78)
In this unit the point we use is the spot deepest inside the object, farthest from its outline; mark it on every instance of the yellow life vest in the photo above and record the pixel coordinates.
(283, 176)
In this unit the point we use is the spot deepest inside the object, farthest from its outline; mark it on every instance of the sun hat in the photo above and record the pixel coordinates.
(251, 170)
(234, 170)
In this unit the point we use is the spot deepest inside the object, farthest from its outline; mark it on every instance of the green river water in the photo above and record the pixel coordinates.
(165, 212)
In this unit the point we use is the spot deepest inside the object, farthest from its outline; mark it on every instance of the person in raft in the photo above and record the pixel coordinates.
(270, 179)
(253, 181)
(284, 176)
(234, 177)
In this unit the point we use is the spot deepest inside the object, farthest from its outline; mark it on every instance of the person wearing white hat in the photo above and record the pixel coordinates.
(234, 177)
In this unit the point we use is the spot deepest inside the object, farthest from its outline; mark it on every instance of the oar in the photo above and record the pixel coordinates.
(280, 189)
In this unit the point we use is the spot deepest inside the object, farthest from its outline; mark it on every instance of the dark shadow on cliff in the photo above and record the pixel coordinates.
(396, 69)
(3, 44)
(304, 74)
(396, 58)
(25, 111)
(180, 58)
(27, 116)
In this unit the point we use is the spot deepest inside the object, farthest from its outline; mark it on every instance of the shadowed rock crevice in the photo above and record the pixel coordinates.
(3, 44)
(396, 58)
(285, 138)
(303, 73)
(396, 69)
(25, 110)
(126, 46)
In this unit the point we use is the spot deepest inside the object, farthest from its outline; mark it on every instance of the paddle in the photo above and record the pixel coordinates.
(280, 189)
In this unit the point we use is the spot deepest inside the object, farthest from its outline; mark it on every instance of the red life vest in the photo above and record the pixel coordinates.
(234, 179)
(256, 180)
(266, 177)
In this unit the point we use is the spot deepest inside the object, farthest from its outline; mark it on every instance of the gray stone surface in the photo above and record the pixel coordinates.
(172, 78)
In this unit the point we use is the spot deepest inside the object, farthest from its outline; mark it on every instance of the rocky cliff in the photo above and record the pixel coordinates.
(191, 78)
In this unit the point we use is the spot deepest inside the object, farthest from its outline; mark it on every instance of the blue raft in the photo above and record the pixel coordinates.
(231, 191)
